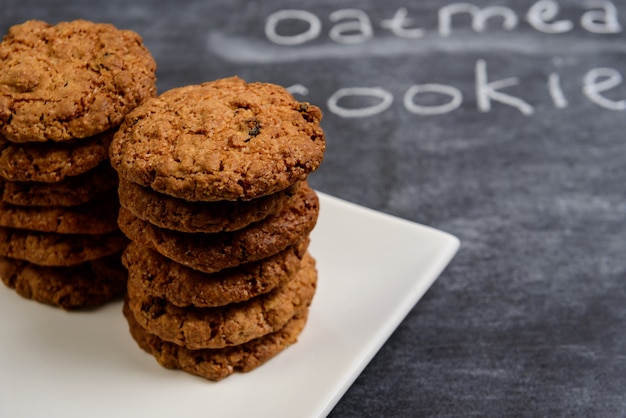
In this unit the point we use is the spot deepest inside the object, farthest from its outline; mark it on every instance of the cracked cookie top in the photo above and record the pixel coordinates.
(70, 80)
(221, 140)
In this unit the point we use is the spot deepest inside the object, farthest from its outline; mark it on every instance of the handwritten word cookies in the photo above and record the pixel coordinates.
(354, 27)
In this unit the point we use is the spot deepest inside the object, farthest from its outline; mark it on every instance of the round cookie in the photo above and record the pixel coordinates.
(198, 328)
(52, 162)
(50, 249)
(213, 252)
(169, 212)
(216, 364)
(158, 276)
(98, 216)
(85, 285)
(71, 80)
(220, 140)
(71, 191)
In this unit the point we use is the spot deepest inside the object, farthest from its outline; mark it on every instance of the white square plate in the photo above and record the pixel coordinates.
(373, 268)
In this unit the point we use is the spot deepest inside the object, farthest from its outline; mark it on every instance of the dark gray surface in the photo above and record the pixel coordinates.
(530, 317)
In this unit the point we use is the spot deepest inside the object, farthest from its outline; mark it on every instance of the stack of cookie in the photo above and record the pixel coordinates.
(64, 89)
(218, 210)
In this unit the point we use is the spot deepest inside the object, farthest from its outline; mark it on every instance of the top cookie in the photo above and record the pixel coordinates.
(71, 80)
(220, 140)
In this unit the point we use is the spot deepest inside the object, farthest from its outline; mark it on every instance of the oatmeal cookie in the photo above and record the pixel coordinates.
(84, 285)
(50, 249)
(198, 328)
(70, 80)
(180, 215)
(221, 140)
(70, 191)
(158, 276)
(52, 162)
(214, 252)
(98, 216)
(216, 364)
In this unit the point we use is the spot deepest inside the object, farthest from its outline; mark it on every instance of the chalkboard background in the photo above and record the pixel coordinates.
(530, 317)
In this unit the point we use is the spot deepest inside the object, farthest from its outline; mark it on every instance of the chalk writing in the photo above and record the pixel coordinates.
(600, 80)
(400, 24)
(479, 17)
(350, 32)
(353, 26)
(595, 83)
(601, 21)
(456, 99)
(554, 86)
(488, 91)
(313, 31)
(541, 16)
(386, 98)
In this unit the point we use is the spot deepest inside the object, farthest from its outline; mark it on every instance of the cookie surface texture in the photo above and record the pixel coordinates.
(216, 364)
(180, 215)
(221, 140)
(52, 162)
(48, 76)
(198, 328)
(97, 216)
(214, 252)
(85, 285)
(70, 191)
(50, 249)
(158, 276)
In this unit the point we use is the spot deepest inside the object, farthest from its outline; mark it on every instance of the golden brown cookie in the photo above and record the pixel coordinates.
(52, 162)
(98, 216)
(214, 252)
(220, 140)
(158, 276)
(71, 80)
(83, 285)
(216, 364)
(50, 249)
(180, 215)
(70, 191)
(198, 328)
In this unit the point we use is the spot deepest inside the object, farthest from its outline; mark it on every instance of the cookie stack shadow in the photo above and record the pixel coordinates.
(64, 90)
(215, 286)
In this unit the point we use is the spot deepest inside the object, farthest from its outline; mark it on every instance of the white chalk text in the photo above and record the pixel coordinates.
(488, 93)
(354, 26)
